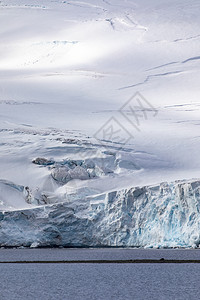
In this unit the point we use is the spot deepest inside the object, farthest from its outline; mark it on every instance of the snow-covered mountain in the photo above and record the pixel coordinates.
(99, 105)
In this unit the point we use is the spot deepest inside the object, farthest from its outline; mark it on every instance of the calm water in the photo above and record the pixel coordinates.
(98, 281)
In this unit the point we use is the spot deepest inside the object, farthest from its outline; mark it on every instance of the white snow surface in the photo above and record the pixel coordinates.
(66, 69)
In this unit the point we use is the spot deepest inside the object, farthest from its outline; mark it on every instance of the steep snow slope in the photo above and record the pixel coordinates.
(67, 72)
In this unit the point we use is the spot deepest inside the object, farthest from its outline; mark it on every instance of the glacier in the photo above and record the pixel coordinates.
(159, 216)
(66, 69)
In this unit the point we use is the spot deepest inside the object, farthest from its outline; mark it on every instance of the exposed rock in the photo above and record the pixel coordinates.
(42, 161)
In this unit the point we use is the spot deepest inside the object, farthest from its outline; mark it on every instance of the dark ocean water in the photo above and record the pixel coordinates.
(98, 281)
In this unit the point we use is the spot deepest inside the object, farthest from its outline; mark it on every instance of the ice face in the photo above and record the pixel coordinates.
(165, 215)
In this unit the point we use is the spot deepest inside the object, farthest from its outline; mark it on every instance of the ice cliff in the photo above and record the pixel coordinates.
(164, 215)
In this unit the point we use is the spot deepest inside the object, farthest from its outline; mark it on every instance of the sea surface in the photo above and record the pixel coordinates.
(98, 281)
